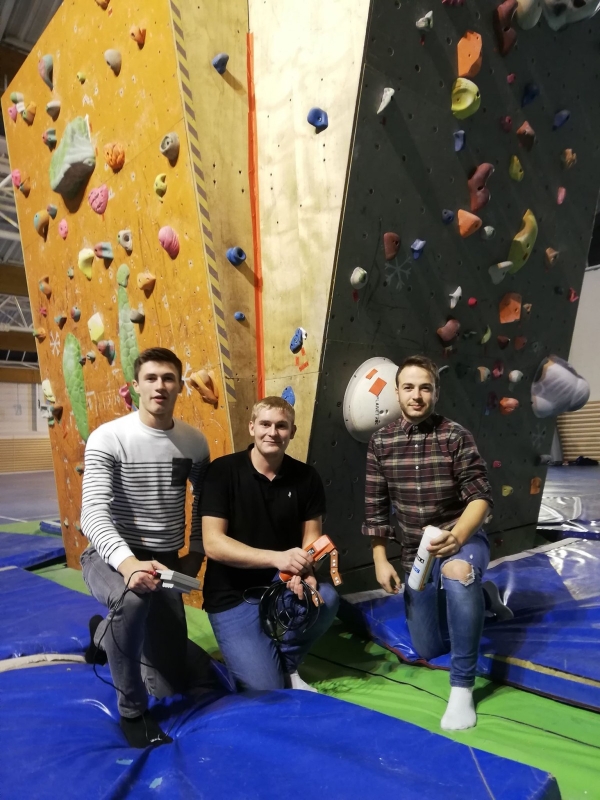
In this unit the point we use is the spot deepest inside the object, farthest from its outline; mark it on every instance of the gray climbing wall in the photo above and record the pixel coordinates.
(403, 172)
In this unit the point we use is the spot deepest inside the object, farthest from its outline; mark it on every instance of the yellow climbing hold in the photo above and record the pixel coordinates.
(465, 98)
(515, 169)
(506, 490)
(48, 391)
(96, 328)
(523, 243)
(160, 184)
(85, 261)
(486, 336)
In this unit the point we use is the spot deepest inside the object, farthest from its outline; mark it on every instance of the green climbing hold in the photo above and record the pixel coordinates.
(123, 275)
(73, 374)
(127, 337)
(74, 159)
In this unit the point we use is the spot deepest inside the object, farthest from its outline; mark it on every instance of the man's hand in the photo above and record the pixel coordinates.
(387, 577)
(445, 545)
(144, 580)
(294, 561)
(190, 564)
(295, 584)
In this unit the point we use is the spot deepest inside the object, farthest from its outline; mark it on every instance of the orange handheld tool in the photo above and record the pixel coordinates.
(320, 548)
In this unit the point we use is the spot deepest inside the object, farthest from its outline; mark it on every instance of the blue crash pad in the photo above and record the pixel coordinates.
(38, 616)
(240, 746)
(23, 550)
(551, 646)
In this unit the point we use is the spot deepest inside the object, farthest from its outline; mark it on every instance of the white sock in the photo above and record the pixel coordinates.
(294, 681)
(460, 712)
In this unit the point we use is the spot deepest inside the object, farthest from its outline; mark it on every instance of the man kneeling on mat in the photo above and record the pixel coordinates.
(428, 468)
(260, 508)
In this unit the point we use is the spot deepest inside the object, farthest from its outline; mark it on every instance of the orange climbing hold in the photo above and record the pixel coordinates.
(551, 256)
(449, 331)
(467, 223)
(114, 155)
(478, 191)
(391, 245)
(510, 308)
(535, 486)
(146, 281)
(508, 405)
(205, 383)
(520, 342)
(469, 53)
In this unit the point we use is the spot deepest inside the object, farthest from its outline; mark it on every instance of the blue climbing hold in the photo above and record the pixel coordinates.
(236, 255)
(560, 118)
(318, 118)
(460, 138)
(219, 62)
(297, 340)
(240, 316)
(289, 396)
(417, 248)
(447, 216)
(530, 92)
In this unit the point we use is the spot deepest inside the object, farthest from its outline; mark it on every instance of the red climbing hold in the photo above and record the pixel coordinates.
(506, 124)
(391, 245)
(503, 342)
(498, 370)
(573, 296)
(511, 77)
(472, 301)
(496, 464)
(478, 191)
(449, 331)
(506, 35)
(520, 342)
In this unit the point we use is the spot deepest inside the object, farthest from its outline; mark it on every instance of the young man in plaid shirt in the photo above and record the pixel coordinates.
(428, 468)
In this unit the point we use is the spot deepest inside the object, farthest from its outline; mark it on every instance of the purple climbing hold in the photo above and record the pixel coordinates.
(240, 316)
(219, 62)
(530, 92)
(417, 248)
(288, 395)
(459, 141)
(560, 118)
(318, 119)
(447, 216)
(236, 255)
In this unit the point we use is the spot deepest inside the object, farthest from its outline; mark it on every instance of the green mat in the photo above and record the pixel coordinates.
(32, 528)
(511, 723)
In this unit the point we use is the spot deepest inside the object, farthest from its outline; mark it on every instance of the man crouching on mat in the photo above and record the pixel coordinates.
(134, 488)
(260, 508)
(428, 468)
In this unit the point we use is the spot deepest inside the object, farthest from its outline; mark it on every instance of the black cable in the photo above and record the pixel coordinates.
(281, 610)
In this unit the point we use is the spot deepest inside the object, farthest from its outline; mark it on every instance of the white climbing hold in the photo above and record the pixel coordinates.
(426, 22)
(455, 297)
(386, 98)
(515, 375)
(359, 278)
(487, 232)
(499, 271)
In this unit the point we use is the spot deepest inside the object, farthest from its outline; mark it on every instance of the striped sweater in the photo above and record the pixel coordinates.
(134, 487)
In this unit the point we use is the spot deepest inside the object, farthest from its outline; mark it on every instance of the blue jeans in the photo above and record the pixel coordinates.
(448, 615)
(254, 659)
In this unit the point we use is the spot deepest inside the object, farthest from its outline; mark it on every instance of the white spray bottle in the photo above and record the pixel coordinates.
(423, 564)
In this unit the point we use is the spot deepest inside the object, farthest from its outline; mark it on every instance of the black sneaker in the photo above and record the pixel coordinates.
(95, 655)
(143, 731)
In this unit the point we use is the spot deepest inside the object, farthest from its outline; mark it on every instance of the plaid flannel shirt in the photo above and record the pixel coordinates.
(426, 473)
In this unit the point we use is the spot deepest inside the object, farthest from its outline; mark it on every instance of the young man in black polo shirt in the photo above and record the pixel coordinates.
(260, 509)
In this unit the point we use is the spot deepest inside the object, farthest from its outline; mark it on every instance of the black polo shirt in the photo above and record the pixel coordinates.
(261, 513)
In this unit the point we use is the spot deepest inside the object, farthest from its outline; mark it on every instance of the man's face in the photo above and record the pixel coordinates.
(158, 385)
(416, 393)
(272, 431)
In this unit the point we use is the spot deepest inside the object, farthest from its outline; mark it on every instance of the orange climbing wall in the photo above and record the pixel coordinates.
(137, 108)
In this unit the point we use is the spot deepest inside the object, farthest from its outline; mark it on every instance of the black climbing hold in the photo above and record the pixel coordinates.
(447, 216)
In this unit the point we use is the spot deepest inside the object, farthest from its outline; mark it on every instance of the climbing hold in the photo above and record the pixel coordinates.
(468, 334)
(455, 297)
(486, 336)
(391, 245)
(57, 412)
(81, 77)
(125, 239)
(561, 194)
(169, 241)
(75, 313)
(39, 334)
(45, 67)
(96, 327)
(468, 51)
(551, 256)
(506, 35)
(25, 186)
(43, 311)
(13, 113)
(53, 109)
(239, 316)
(417, 248)
(104, 250)
(503, 342)
(530, 92)
(498, 369)
(82, 360)
(126, 395)
(289, 396)
(359, 277)
(508, 405)
(113, 59)
(515, 375)
(98, 199)
(169, 147)
(114, 155)
(85, 260)
(297, 340)
(49, 138)
(573, 296)
(425, 23)
(70, 272)
(515, 169)
(520, 342)
(510, 308)
(491, 402)
(107, 349)
(467, 223)
(127, 337)
(496, 464)
(74, 159)
(160, 184)
(318, 119)
(447, 216)
(507, 490)
(526, 136)
(557, 388)
(28, 113)
(472, 301)
(60, 319)
(63, 229)
(146, 281)
(568, 158)
(478, 191)
(138, 35)
(16, 178)
(205, 383)
(386, 98)
(529, 13)
(488, 232)
(535, 486)
(123, 275)
(449, 331)
(483, 374)
(459, 141)
(17, 97)
(524, 241)
(41, 220)
(506, 124)
(52, 210)
(526, 308)
(137, 315)
(560, 118)
(49, 395)
(219, 62)
(103, 4)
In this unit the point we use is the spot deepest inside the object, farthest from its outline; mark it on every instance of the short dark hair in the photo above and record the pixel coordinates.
(423, 362)
(160, 354)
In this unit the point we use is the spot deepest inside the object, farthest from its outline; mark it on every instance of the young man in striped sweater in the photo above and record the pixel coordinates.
(134, 488)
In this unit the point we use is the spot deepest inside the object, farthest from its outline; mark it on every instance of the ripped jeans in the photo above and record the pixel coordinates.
(447, 616)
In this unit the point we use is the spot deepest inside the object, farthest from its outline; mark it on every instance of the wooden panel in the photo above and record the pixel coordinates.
(16, 375)
(136, 108)
(306, 54)
(25, 455)
(579, 432)
(12, 280)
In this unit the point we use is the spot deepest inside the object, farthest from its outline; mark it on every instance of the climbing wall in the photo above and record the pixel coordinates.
(405, 172)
